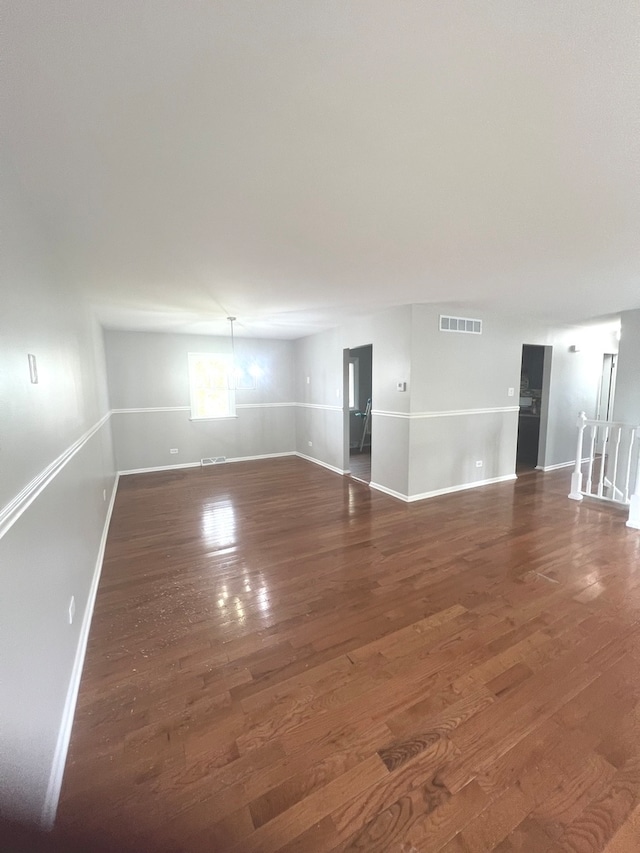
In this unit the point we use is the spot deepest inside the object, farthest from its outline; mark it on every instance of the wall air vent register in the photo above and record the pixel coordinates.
(460, 324)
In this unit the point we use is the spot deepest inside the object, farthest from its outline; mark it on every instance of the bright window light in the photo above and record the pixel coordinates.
(210, 389)
(353, 383)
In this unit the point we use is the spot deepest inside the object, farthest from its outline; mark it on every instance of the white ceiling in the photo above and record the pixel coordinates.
(293, 161)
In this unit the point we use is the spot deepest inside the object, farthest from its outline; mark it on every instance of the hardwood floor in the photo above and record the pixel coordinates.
(360, 465)
(283, 660)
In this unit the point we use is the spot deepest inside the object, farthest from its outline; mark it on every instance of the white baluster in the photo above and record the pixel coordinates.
(603, 459)
(632, 438)
(614, 474)
(576, 478)
(592, 456)
(634, 505)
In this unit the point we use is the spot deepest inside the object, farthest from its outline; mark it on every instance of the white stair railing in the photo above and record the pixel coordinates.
(611, 460)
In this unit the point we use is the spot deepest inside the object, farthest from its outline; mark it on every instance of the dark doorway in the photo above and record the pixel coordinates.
(359, 395)
(532, 375)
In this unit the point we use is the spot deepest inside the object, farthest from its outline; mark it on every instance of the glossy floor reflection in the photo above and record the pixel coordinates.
(360, 465)
(283, 660)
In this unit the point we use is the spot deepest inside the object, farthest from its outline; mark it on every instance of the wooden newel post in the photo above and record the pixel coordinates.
(576, 478)
(634, 504)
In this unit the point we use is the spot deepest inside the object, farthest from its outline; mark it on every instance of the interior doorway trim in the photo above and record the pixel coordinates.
(357, 410)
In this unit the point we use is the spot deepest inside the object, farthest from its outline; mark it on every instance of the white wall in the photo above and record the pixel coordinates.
(148, 372)
(49, 537)
(627, 397)
(321, 417)
(461, 411)
(575, 383)
(456, 409)
(626, 406)
(471, 374)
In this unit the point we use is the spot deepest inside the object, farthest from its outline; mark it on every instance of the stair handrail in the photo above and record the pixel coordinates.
(578, 491)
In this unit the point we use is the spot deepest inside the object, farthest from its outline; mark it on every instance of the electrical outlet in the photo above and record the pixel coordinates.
(72, 609)
(173, 450)
(479, 463)
(511, 392)
(310, 443)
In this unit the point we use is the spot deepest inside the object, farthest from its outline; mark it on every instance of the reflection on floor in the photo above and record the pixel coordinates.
(360, 464)
(280, 660)
(523, 468)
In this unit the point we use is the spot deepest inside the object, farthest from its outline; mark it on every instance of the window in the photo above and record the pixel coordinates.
(353, 383)
(210, 389)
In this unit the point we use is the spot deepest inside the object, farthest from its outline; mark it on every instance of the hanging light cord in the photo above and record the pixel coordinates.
(233, 343)
(232, 378)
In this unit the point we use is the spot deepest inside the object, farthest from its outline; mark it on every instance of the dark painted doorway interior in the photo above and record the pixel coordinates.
(531, 393)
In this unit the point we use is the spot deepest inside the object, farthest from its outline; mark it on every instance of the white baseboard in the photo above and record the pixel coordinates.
(198, 464)
(10, 513)
(462, 487)
(437, 492)
(235, 459)
(323, 464)
(261, 456)
(50, 806)
(560, 465)
(389, 492)
(158, 468)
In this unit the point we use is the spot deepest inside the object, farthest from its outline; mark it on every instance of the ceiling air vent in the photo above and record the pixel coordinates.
(460, 324)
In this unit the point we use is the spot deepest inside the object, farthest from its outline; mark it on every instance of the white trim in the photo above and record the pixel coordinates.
(159, 468)
(261, 456)
(265, 405)
(139, 410)
(437, 492)
(216, 418)
(556, 467)
(381, 414)
(50, 806)
(616, 424)
(387, 491)
(616, 491)
(634, 512)
(319, 406)
(10, 513)
(199, 464)
(597, 497)
(323, 464)
(445, 414)
(560, 465)
(151, 409)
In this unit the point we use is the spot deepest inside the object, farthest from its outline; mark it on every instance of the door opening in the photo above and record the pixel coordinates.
(605, 397)
(358, 398)
(534, 375)
(607, 386)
